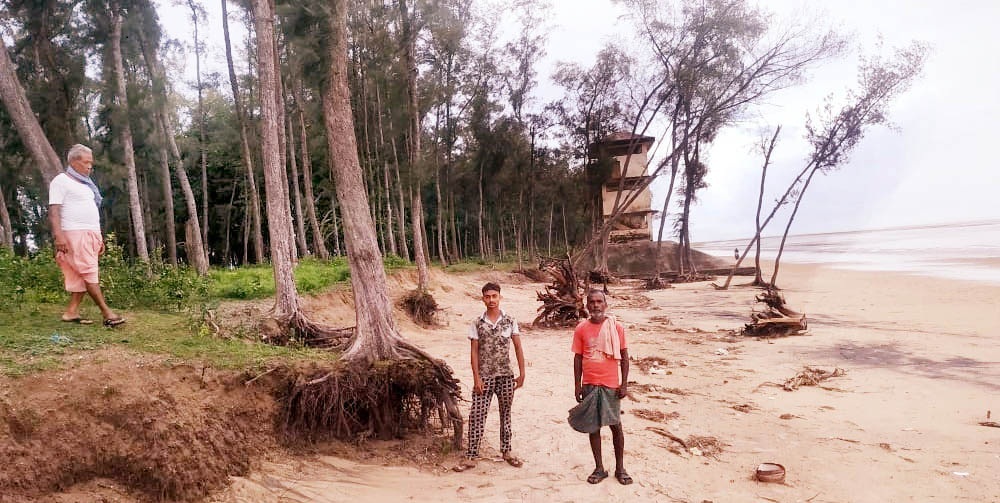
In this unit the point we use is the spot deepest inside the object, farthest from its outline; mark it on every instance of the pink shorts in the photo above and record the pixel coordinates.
(79, 264)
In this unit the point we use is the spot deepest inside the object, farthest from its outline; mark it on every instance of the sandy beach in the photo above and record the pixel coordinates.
(922, 370)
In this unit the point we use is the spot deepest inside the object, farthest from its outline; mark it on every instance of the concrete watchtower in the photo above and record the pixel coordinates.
(634, 224)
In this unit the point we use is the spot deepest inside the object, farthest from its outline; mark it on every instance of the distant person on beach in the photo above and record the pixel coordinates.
(491, 335)
(76, 227)
(600, 352)
(736, 254)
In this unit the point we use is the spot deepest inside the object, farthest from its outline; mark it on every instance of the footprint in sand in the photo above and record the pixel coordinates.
(552, 477)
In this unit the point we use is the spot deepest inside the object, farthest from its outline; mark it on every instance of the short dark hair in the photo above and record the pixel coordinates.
(491, 286)
(593, 291)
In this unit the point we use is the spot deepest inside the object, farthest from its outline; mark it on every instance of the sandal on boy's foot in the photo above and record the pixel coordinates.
(466, 464)
(623, 478)
(513, 460)
(597, 476)
(79, 320)
(113, 322)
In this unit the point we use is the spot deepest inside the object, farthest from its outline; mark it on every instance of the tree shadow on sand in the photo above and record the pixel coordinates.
(892, 356)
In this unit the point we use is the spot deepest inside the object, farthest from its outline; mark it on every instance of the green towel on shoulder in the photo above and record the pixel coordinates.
(600, 407)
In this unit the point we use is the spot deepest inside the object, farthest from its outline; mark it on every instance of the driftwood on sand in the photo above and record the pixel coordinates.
(809, 376)
(775, 321)
(563, 299)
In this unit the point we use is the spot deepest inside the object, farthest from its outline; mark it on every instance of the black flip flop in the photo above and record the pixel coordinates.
(623, 478)
(597, 476)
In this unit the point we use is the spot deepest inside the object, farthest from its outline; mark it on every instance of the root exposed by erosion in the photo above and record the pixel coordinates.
(775, 321)
(656, 283)
(563, 300)
(384, 400)
(420, 306)
(296, 327)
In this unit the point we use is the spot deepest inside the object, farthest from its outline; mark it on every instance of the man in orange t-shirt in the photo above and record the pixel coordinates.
(598, 386)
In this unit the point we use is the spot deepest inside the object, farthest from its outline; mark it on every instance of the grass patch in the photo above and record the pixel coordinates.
(477, 265)
(311, 276)
(34, 339)
(163, 304)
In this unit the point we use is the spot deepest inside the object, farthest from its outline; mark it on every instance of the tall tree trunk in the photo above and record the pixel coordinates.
(282, 140)
(192, 243)
(226, 260)
(336, 227)
(135, 204)
(376, 336)
(195, 249)
(784, 236)
(279, 221)
(246, 230)
(6, 231)
(19, 109)
(254, 199)
(479, 216)
(758, 280)
(440, 217)
(415, 157)
(385, 176)
(459, 254)
(168, 194)
(674, 168)
(552, 210)
(388, 210)
(202, 152)
(307, 176)
(300, 224)
(401, 220)
(562, 208)
(531, 197)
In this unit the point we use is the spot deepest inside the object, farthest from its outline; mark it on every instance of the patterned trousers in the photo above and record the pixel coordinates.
(503, 387)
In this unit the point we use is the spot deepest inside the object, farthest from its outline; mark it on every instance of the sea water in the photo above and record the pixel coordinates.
(967, 250)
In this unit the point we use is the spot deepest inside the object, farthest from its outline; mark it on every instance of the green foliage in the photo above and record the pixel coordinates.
(475, 264)
(33, 339)
(394, 262)
(126, 284)
(257, 282)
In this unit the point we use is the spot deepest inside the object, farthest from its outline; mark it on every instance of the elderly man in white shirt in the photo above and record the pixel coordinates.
(76, 226)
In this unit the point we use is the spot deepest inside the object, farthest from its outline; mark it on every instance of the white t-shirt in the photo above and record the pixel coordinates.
(79, 211)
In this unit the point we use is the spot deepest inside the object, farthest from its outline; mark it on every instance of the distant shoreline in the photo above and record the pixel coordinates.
(967, 223)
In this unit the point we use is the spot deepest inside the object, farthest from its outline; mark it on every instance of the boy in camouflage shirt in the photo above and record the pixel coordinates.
(491, 336)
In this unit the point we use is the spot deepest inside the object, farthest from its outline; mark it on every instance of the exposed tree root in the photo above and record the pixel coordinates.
(421, 307)
(656, 283)
(296, 327)
(384, 400)
(563, 300)
(775, 321)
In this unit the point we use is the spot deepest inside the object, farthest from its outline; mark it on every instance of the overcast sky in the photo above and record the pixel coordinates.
(936, 166)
